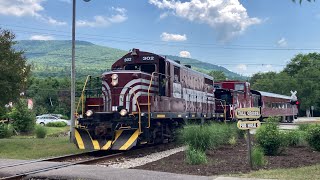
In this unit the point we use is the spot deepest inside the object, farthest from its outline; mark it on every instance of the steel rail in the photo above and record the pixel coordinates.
(47, 159)
(89, 161)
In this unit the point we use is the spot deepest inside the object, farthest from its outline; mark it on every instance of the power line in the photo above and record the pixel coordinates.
(98, 38)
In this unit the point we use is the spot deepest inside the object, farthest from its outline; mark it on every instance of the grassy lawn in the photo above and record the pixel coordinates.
(305, 173)
(29, 147)
(33, 148)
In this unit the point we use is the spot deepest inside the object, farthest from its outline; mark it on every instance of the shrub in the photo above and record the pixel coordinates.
(269, 138)
(195, 156)
(56, 124)
(313, 137)
(6, 130)
(41, 132)
(257, 156)
(23, 118)
(293, 138)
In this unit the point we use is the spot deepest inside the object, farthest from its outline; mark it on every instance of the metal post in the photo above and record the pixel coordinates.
(249, 148)
(73, 72)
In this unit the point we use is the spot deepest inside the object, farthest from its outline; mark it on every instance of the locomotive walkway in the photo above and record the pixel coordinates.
(95, 172)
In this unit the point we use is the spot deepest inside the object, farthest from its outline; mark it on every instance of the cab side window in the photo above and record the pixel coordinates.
(176, 77)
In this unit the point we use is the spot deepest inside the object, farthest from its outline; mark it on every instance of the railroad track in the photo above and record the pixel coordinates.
(59, 159)
(87, 158)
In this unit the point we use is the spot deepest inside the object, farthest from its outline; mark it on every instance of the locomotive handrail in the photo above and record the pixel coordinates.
(82, 96)
(139, 110)
(149, 88)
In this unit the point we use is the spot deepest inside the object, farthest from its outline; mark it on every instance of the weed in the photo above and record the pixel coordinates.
(232, 141)
(257, 156)
(195, 156)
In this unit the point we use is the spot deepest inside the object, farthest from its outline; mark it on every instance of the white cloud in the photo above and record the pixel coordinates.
(41, 37)
(172, 37)
(241, 67)
(21, 7)
(282, 42)
(164, 15)
(185, 54)
(102, 21)
(31, 8)
(227, 17)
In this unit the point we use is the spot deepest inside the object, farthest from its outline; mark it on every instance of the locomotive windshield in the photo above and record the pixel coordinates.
(148, 68)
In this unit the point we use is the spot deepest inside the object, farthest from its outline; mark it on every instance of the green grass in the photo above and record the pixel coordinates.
(57, 130)
(303, 173)
(33, 148)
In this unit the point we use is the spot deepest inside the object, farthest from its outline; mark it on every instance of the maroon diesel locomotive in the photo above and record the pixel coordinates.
(231, 95)
(143, 99)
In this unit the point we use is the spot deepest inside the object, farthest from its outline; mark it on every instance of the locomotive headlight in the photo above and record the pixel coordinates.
(123, 112)
(114, 79)
(89, 113)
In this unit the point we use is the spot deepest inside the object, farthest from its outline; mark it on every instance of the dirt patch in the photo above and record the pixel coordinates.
(232, 160)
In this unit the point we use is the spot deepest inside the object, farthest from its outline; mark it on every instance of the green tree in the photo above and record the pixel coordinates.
(14, 69)
(23, 118)
(217, 75)
(302, 74)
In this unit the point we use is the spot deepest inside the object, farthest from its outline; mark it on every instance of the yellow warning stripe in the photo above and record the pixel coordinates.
(95, 143)
(107, 146)
(118, 133)
(79, 140)
(130, 141)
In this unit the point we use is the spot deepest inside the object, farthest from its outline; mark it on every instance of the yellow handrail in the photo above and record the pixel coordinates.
(82, 96)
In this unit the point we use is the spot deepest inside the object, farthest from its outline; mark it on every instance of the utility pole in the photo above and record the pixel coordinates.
(73, 72)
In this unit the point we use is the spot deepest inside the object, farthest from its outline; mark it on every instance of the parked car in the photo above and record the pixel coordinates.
(45, 119)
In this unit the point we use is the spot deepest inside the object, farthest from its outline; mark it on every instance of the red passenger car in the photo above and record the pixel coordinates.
(231, 95)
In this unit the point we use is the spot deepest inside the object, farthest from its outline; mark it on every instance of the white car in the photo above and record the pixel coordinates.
(45, 119)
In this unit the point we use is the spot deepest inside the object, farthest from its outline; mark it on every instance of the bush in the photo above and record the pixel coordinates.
(293, 138)
(195, 156)
(41, 132)
(269, 138)
(313, 137)
(23, 118)
(56, 124)
(257, 156)
(6, 130)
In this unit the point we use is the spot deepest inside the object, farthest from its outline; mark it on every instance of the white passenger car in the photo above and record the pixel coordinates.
(45, 119)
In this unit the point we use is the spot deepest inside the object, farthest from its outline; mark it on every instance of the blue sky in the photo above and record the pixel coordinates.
(244, 36)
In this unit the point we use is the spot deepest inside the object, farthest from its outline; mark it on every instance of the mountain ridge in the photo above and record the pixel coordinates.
(53, 58)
